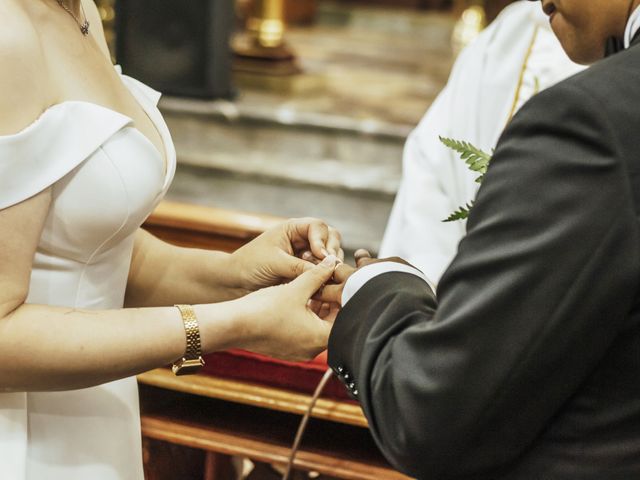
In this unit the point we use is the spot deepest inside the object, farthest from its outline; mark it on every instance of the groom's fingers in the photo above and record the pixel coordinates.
(362, 257)
(342, 273)
(315, 306)
(331, 293)
(313, 279)
(324, 311)
(362, 253)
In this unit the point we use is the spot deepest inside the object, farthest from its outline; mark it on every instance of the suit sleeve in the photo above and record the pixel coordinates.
(461, 386)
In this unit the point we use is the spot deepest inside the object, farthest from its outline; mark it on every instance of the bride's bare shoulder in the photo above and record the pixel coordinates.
(23, 85)
(18, 34)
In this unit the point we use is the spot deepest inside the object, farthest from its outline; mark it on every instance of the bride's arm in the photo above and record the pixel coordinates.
(50, 348)
(45, 348)
(163, 274)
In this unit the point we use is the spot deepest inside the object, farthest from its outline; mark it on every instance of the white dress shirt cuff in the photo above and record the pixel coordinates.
(362, 276)
(633, 25)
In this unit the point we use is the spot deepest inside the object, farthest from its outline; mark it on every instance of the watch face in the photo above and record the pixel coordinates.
(187, 367)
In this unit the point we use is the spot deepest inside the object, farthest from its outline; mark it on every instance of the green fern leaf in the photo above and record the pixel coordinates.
(461, 214)
(476, 159)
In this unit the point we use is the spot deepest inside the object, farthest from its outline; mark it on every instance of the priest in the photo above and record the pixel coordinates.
(514, 58)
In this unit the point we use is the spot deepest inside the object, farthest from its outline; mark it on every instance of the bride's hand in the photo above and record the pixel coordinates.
(280, 321)
(273, 257)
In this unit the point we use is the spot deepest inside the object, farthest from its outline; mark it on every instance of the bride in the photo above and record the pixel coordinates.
(86, 296)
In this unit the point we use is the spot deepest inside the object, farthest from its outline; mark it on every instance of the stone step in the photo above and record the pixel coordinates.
(295, 154)
(361, 217)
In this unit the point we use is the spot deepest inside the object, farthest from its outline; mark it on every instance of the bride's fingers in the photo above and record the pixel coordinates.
(307, 256)
(333, 243)
(325, 310)
(317, 234)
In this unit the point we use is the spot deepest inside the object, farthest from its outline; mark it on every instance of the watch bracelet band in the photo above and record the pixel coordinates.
(192, 331)
(192, 360)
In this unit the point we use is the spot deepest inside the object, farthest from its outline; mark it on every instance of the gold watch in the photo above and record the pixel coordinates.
(192, 360)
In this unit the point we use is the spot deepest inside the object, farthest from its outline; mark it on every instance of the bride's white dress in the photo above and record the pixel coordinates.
(107, 177)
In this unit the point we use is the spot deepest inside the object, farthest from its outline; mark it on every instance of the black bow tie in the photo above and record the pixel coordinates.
(613, 46)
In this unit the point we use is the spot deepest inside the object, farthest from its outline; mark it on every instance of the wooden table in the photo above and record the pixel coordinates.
(192, 425)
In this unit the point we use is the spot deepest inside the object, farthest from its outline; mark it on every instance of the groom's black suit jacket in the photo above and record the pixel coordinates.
(527, 364)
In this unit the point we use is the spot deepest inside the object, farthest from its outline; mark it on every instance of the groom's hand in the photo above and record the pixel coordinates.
(275, 256)
(363, 258)
(332, 292)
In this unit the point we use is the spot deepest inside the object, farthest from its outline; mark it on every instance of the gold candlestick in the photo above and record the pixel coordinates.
(473, 19)
(266, 23)
(263, 36)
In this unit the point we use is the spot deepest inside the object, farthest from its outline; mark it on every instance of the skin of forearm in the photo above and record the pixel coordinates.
(162, 274)
(46, 348)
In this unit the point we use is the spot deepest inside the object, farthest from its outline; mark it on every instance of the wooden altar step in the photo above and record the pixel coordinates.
(256, 396)
(264, 436)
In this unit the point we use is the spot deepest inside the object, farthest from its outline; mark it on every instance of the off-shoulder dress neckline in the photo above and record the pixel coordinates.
(165, 158)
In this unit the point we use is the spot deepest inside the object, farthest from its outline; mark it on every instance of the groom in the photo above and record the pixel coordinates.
(527, 363)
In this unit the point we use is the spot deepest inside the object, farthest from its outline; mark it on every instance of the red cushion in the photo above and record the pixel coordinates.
(254, 368)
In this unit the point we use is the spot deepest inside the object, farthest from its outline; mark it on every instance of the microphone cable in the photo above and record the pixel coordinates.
(305, 420)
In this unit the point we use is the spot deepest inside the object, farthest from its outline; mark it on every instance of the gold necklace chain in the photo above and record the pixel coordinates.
(84, 26)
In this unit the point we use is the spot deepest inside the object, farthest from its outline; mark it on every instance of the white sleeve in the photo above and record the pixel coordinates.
(415, 230)
(434, 181)
(63, 137)
(137, 88)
